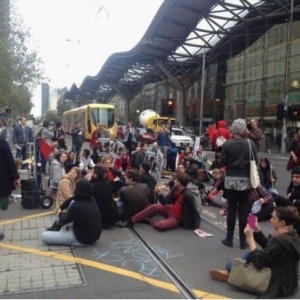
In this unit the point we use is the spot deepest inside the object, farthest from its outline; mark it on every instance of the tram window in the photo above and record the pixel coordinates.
(104, 116)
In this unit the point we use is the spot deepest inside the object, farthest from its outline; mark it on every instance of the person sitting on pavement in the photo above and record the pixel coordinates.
(201, 157)
(86, 163)
(184, 154)
(113, 175)
(280, 253)
(189, 161)
(177, 208)
(66, 186)
(103, 193)
(133, 197)
(57, 171)
(71, 161)
(122, 163)
(263, 207)
(267, 174)
(139, 156)
(215, 195)
(293, 194)
(82, 211)
(146, 177)
(216, 162)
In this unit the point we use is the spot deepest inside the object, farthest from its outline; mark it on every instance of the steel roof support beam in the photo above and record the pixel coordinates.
(172, 79)
(119, 92)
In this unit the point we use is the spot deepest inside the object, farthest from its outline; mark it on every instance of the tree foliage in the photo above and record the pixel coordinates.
(20, 66)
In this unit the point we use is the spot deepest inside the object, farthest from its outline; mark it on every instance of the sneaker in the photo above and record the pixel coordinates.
(2, 236)
(219, 275)
(54, 227)
(123, 224)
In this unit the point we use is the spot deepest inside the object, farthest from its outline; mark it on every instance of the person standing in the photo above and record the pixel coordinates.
(255, 134)
(59, 136)
(8, 176)
(164, 142)
(46, 143)
(129, 138)
(220, 130)
(22, 134)
(78, 138)
(235, 157)
(4, 133)
(294, 148)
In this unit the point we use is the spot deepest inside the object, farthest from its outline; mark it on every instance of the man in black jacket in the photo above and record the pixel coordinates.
(83, 211)
(133, 197)
(8, 176)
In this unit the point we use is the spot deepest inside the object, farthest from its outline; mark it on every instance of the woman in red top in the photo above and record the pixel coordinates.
(94, 137)
(112, 174)
(122, 163)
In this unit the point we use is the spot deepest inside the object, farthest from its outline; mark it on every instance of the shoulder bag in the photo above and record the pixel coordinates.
(220, 140)
(246, 276)
(254, 176)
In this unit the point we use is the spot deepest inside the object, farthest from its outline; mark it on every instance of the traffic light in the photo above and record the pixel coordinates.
(280, 110)
(8, 111)
(294, 113)
(168, 107)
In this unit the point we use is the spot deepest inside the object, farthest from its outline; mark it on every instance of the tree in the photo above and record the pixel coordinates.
(20, 67)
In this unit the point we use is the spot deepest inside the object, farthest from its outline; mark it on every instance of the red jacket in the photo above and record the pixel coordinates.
(118, 162)
(221, 130)
(94, 139)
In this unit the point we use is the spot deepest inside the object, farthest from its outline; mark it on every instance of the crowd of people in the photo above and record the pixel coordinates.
(97, 189)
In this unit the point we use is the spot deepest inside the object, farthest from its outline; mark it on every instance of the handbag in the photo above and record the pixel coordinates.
(246, 276)
(254, 176)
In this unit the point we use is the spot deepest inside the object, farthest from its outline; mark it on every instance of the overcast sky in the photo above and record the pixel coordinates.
(75, 37)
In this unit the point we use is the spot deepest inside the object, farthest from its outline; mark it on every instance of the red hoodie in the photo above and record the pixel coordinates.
(221, 130)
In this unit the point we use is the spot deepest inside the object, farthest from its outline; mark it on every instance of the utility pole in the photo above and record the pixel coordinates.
(202, 94)
(287, 75)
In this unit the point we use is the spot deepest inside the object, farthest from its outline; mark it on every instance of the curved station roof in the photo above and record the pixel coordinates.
(173, 46)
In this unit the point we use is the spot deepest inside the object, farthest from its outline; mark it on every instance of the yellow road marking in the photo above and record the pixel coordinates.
(26, 218)
(90, 263)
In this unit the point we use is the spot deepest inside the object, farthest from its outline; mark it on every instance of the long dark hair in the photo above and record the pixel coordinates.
(266, 160)
(99, 172)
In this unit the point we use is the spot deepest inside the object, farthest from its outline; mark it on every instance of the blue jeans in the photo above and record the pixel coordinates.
(76, 149)
(228, 266)
(21, 153)
(63, 237)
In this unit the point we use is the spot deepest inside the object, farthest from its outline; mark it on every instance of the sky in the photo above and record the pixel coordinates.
(74, 38)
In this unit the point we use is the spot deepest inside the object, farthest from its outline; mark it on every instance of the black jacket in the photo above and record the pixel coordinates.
(8, 171)
(84, 214)
(190, 215)
(107, 206)
(281, 253)
(235, 157)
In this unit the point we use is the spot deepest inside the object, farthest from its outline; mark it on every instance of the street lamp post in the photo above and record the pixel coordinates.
(202, 94)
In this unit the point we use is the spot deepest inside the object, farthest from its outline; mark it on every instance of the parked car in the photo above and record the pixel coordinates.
(189, 131)
(180, 138)
(145, 135)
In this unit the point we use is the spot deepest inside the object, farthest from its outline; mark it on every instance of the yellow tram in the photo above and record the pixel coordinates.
(89, 115)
